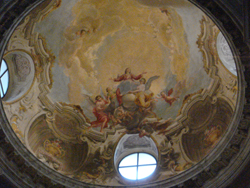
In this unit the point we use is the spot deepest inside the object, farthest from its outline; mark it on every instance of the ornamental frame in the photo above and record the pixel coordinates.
(229, 158)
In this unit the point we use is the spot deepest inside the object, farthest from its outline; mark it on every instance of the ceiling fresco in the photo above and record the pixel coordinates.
(91, 81)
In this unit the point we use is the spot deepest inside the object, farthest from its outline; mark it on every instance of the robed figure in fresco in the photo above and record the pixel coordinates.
(128, 105)
(128, 76)
(142, 99)
(102, 118)
(126, 84)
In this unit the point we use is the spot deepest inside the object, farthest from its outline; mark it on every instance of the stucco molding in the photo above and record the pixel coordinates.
(208, 173)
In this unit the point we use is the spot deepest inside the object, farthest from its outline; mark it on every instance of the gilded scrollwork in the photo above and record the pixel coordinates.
(69, 121)
(208, 44)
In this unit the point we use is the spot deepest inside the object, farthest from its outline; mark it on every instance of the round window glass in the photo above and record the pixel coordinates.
(137, 166)
(4, 78)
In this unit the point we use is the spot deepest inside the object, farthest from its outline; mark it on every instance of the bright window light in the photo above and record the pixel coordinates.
(137, 166)
(4, 78)
(145, 171)
(129, 172)
(130, 160)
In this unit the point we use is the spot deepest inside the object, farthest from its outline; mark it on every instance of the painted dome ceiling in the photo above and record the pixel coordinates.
(93, 81)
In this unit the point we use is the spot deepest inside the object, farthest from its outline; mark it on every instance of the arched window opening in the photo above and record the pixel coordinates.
(4, 78)
(17, 73)
(137, 166)
(225, 54)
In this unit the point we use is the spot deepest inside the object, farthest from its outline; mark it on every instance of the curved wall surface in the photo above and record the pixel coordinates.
(104, 71)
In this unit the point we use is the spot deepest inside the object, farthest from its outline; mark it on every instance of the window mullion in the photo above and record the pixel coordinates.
(1, 64)
(147, 165)
(4, 73)
(137, 166)
(127, 166)
(2, 88)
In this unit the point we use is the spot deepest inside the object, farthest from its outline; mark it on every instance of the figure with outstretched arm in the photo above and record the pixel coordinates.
(126, 84)
(128, 76)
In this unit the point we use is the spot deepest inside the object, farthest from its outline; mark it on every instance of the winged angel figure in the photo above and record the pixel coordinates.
(143, 95)
(172, 95)
(105, 109)
(99, 106)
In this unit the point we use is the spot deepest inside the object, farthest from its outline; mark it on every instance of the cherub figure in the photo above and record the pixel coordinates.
(173, 94)
(169, 99)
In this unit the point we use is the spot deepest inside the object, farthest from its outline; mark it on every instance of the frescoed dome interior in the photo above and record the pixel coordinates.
(93, 82)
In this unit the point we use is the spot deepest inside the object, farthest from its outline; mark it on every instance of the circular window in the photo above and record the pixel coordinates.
(4, 78)
(137, 166)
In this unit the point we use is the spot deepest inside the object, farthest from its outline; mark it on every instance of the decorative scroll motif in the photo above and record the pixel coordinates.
(14, 125)
(221, 163)
(132, 107)
(56, 4)
(214, 47)
(54, 147)
(50, 152)
(48, 59)
(212, 134)
(207, 44)
(22, 66)
(49, 159)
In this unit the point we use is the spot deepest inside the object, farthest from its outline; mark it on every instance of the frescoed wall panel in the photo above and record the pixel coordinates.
(104, 71)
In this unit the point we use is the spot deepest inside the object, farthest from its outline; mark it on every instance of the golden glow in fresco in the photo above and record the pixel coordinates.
(109, 78)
